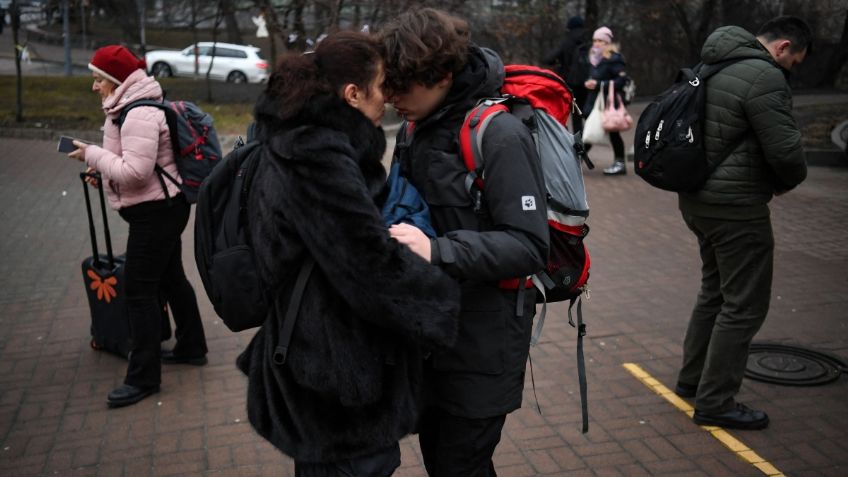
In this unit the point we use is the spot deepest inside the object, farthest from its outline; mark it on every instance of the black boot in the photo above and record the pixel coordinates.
(617, 169)
(127, 394)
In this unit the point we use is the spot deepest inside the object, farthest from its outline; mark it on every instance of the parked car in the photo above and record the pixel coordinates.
(232, 63)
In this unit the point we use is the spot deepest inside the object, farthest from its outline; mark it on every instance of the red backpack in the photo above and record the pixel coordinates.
(542, 100)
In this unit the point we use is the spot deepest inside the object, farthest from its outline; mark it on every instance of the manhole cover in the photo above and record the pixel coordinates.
(791, 365)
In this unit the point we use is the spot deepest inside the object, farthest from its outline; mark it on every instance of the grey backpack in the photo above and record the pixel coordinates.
(193, 139)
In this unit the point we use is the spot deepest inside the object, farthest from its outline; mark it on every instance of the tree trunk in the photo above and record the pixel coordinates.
(299, 44)
(592, 14)
(838, 58)
(335, 14)
(229, 14)
(218, 18)
(125, 14)
(15, 14)
(273, 25)
(692, 44)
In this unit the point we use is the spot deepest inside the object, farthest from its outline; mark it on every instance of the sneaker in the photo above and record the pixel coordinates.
(740, 417)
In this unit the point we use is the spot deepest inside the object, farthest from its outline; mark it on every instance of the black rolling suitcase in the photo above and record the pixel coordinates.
(103, 275)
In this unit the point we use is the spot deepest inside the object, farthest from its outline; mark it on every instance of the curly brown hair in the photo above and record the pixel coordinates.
(423, 46)
(346, 57)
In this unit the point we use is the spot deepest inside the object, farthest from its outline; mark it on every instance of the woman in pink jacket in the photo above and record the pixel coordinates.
(157, 214)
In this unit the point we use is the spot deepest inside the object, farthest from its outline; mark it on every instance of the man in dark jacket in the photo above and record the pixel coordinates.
(485, 239)
(571, 58)
(749, 101)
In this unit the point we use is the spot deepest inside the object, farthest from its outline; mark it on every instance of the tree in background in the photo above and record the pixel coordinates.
(657, 37)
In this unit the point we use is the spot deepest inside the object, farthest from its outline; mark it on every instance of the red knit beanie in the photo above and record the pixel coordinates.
(115, 63)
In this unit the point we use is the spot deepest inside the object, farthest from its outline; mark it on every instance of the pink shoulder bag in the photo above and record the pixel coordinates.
(615, 119)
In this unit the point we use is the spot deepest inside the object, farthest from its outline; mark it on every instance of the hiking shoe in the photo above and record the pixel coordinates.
(740, 417)
(685, 390)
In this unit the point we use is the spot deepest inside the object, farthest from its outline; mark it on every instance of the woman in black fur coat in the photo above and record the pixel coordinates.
(349, 388)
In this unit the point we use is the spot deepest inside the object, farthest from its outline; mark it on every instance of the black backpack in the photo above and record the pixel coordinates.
(221, 248)
(223, 253)
(669, 141)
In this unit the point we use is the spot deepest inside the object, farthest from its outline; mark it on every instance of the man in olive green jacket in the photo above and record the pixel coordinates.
(748, 101)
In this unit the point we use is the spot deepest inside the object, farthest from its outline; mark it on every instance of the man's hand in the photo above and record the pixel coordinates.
(590, 84)
(412, 237)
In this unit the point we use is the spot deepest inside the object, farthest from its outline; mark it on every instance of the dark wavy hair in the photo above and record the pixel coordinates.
(341, 58)
(423, 46)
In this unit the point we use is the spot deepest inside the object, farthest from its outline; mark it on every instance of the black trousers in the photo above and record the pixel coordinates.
(455, 446)
(154, 263)
(379, 464)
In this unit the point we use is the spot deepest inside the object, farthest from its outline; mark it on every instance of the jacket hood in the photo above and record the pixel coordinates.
(730, 42)
(137, 86)
(483, 76)
(308, 135)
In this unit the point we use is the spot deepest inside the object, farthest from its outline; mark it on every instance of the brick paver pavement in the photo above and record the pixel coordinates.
(54, 421)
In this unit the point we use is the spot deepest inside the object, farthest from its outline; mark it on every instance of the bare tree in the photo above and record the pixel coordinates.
(838, 58)
(125, 14)
(695, 30)
(229, 14)
(218, 17)
(15, 15)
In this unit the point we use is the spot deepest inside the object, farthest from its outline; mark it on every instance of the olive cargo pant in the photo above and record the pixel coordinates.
(736, 275)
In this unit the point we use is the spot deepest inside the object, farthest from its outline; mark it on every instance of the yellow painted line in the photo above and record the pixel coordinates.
(732, 443)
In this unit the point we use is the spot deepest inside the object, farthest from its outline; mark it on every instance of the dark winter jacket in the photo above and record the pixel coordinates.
(565, 55)
(750, 98)
(352, 380)
(608, 69)
(483, 374)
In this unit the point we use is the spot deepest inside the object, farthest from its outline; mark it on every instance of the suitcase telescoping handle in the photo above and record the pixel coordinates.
(96, 176)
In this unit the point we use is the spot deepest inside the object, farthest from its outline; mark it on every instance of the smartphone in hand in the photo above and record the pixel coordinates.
(66, 144)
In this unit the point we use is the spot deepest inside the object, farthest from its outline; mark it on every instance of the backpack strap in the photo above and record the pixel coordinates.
(171, 121)
(471, 141)
(471, 150)
(581, 363)
(702, 73)
(287, 326)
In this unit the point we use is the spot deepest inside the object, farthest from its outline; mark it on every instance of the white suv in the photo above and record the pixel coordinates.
(233, 63)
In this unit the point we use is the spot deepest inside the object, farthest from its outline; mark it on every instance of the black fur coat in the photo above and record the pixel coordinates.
(352, 380)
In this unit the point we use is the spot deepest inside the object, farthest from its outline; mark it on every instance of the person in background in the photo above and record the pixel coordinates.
(157, 213)
(748, 101)
(572, 63)
(607, 65)
(350, 385)
(490, 240)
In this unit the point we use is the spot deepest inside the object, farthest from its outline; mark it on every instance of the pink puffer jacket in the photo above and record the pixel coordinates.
(128, 154)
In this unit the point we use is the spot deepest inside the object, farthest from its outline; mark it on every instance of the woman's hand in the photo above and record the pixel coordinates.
(79, 153)
(91, 180)
(412, 237)
(590, 84)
